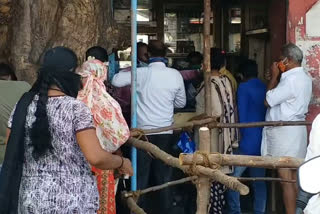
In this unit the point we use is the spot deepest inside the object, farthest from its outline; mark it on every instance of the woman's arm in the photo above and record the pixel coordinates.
(98, 157)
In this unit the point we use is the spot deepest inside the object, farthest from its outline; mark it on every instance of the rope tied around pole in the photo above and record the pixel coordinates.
(205, 155)
(136, 195)
(216, 165)
(140, 133)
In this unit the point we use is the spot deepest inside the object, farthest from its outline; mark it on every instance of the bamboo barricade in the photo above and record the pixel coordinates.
(211, 123)
(242, 160)
(203, 182)
(200, 165)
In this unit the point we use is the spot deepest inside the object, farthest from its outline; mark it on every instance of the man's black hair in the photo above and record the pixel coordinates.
(249, 69)
(98, 53)
(6, 70)
(157, 48)
(197, 55)
(218, 58)
(141, 44)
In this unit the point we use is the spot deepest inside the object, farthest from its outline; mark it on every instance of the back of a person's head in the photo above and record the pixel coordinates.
(141, 45)
(249, 69)
(157, 48)
(292, 52)
(195, 57)
(217, 58)
(98, 53)
(57, 70)
(142, 52)
(6, 72)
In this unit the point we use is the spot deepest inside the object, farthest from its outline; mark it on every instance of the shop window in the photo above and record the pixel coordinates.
(234, 28)
(183, 31)
(122, 13)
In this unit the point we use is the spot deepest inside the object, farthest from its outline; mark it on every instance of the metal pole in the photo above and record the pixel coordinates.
(134, 87)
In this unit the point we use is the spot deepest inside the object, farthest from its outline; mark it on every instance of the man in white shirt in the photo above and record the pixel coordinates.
(288, 100)
(160, 89)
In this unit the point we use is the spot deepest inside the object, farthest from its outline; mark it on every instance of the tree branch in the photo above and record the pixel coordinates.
(216, 175)
(160, 187)
(243, 179)
(157, 153)
(211, 122)
(229, 182)
(260, 124)
(133, 206)
(175, 127)
(243, 160)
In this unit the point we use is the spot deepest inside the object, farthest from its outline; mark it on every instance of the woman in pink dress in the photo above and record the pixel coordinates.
(111, 127)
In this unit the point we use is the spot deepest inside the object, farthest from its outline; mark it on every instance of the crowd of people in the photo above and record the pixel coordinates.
(66, 135)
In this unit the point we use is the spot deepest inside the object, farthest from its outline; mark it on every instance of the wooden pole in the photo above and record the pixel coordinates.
(160, 187)
(228, 181)
(206, 55)
(260, 124)
(191, 124)
(203, 184)
(133, 206)
(197, 170)
(211, 122)
(242, 160)
(243, 179)
(193, 178)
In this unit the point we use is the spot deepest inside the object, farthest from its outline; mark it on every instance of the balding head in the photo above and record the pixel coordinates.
(157, 48)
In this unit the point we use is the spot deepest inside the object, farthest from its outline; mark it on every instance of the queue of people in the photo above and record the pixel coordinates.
(72, 124)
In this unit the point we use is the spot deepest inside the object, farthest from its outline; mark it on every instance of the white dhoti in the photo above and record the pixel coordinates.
(288, 141)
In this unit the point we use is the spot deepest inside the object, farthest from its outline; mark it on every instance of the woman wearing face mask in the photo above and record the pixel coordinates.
(58, 144)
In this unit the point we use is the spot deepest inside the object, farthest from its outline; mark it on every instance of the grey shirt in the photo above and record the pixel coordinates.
(10, 93)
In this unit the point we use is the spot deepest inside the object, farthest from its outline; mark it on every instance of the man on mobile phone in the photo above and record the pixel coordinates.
(288, 95)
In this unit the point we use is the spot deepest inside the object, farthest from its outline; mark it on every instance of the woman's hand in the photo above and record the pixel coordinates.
(126, 168)
(118, 152)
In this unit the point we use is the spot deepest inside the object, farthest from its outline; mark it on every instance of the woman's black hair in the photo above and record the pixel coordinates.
(196, 56)
(218, 58)
(98, 53)
(58, 69)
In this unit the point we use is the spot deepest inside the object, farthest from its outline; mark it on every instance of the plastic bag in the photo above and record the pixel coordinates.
(186, 144)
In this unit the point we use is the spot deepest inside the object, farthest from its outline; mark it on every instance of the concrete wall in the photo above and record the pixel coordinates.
(303, 29)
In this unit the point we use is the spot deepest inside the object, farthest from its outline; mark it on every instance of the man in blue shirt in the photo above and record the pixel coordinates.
(251, 95)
